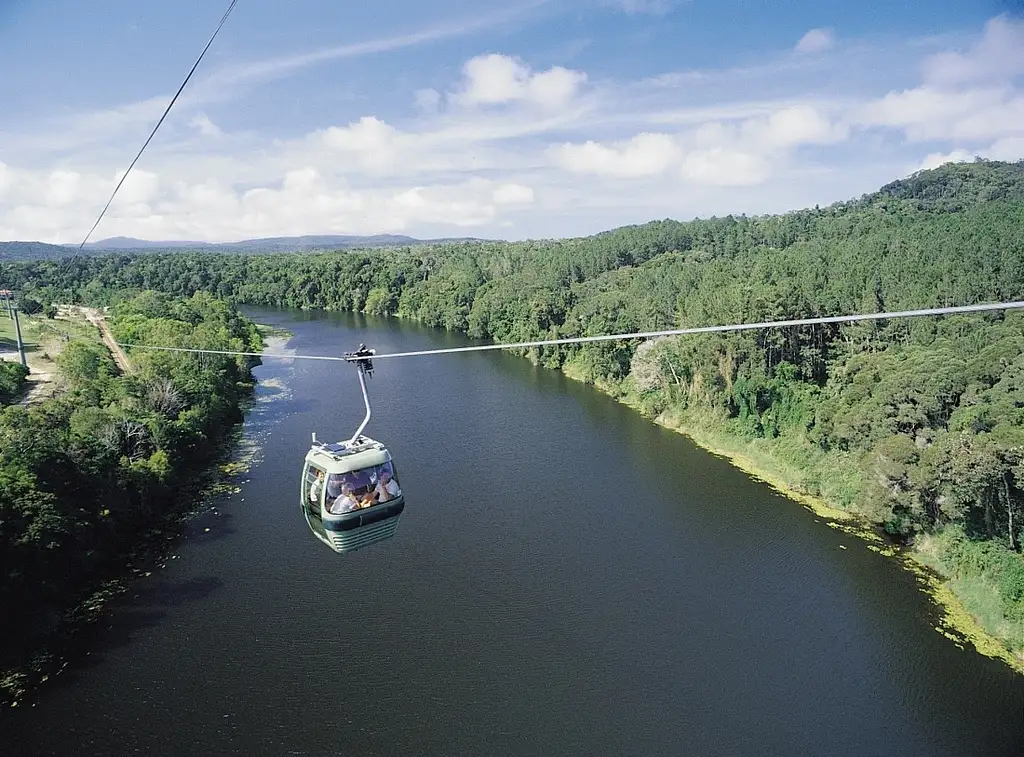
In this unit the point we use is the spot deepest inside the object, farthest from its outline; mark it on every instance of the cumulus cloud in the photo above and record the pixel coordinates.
(964, 96)
(141, 186)
(512, 194)
(1009, 149)
(926, 113)
(6, 179)
(816, 41)
(724, 167)
(498, 79)
(205, 126)
(62, 188)
(997, 56)
(370, 143)
(936, 159)
(715, 153)
(794, 126)
(61, 205)
(643, 155)
(428, 100)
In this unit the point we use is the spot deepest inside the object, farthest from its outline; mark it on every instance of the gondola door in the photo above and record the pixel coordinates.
(314, 485)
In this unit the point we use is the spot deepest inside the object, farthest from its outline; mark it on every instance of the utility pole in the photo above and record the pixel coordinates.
(21, 344)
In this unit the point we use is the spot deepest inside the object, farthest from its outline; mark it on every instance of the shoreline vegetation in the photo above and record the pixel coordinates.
(142, 449)
(914, 428)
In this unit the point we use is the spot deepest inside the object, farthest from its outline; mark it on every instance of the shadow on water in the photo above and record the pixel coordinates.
(209, 526)
(143, 606)
(138, 604)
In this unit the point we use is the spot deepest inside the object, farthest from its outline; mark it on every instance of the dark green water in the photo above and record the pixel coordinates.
(567, 579)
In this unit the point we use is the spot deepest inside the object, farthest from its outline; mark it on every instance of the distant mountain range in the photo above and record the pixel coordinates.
(10, 251)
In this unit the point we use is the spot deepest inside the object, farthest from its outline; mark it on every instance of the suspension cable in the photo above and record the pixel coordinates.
(984, 307)
(170, 105)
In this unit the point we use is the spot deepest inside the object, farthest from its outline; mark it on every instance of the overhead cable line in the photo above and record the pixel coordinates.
(170, 105)
(614, 337)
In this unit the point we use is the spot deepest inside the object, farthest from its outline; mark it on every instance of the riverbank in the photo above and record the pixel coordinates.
(969, 606)
(70, 637)
(131, 519)
(201, 493)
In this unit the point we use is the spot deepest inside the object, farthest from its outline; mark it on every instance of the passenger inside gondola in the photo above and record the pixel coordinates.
(360, 480)
(387, 488)
(316, 488)
(345, 502)
(334, 482)
(360, 489)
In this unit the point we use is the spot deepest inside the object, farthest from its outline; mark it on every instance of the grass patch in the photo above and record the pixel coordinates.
(44, 340)
(981, 599)
(8, 334)
(977, 599)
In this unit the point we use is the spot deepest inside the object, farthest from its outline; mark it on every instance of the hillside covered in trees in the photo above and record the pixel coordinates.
(916, 425)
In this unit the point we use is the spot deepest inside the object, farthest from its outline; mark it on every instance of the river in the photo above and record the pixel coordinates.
(567, 579)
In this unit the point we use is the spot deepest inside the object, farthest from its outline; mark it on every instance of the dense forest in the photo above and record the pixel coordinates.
(12, 380)
(85, 475)
(916, 425)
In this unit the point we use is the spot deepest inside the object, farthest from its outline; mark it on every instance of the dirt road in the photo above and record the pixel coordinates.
(96, 318)
(47, 341)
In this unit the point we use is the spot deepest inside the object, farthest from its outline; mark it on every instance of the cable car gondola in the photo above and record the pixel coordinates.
(349, 493)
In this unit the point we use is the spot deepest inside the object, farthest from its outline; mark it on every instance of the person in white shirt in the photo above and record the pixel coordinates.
(316, 488)
(345, 501)
(387, 487)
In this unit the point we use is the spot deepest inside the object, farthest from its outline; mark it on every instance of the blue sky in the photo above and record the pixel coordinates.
(512, 119)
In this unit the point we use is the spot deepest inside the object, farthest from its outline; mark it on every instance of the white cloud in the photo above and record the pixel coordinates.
(965, 96)
(643, 155)
(6, 179)
(794, 126)
(497, 79)
(816, 41)
(997, 56)
(936, 159)
(205, 126)
(141, 186)
(724, 167)
(512, 194)
(61, 206)
(1009, 149)
(62, 188)
(739, 152)
(370, 143)
(428, 100)
(926, 113)
(494, 79)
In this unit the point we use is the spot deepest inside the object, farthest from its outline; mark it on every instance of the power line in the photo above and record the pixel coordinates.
(635, 335)
(170, 105)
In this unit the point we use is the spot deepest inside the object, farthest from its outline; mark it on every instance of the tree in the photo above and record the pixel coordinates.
(29, 306)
